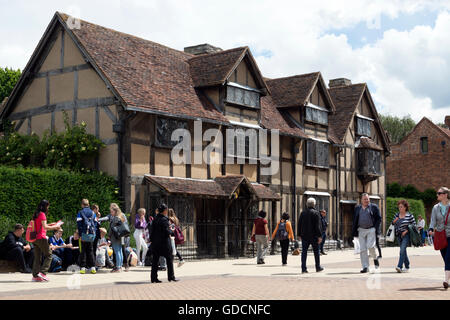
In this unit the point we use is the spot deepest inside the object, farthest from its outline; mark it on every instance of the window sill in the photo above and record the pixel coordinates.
(316, 167)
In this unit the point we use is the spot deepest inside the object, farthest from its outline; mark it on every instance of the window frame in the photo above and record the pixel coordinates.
(316, 152)
(422, 140)
(363, 118)
(367, 162)
(315, 108)
(244, 89)
(158, 143)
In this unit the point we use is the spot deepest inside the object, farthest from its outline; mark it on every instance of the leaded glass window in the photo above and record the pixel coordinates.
(316, 115)
(164, 129)
(317, 153)
(363, 127)
(243, 97)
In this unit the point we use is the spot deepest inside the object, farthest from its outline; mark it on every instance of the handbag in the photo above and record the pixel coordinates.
(440, 237)
(390, 233)
(174, 249)
(296, 252)
(121, 230)
(87, 237)
(253, 238)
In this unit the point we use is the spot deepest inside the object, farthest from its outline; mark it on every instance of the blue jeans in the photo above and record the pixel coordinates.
(324, 237)
(445, 253)
(404, 242)
(117, 247)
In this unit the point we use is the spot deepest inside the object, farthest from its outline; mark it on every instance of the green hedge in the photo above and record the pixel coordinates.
(21, 190)
(416, 208)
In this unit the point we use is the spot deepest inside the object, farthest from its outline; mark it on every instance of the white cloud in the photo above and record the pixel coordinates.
(296, 33)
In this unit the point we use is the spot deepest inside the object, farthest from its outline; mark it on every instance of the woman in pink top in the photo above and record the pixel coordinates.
(41, 246)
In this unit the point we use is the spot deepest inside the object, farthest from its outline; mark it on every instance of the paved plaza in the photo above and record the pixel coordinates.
(242, 279)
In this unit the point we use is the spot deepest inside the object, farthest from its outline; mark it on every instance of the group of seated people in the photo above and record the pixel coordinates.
(64, 253)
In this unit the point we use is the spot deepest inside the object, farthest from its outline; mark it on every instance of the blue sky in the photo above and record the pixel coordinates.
(400, 48)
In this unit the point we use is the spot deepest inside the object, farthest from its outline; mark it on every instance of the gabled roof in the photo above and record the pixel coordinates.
(346, 100)
(220, 187)
(443, 131)
(295, 91)
(216, 68)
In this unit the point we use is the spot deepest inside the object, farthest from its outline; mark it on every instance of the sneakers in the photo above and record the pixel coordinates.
(83, 270)
(116, 270)
(405, 270)
(43, 276)
(93, 270)
(398, 269)
(180, 263)
(139, 264)
(37, 279)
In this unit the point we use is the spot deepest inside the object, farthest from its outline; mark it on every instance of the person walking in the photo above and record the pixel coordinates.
(15, 248)
(402, 219)
(283, 233)
(439, 222)
(324, 226)
(261, 233)
(366, 227)
(310, 234)
(41, 245)
(139, 235)
(175, 224)
(116, 218)
(86, 223)
(421, 229)
(161, 244)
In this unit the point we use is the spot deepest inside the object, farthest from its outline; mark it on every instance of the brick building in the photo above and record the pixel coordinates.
(422, 158)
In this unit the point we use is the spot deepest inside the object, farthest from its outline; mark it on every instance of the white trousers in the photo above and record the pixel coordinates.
(367, 241)
(140, 244)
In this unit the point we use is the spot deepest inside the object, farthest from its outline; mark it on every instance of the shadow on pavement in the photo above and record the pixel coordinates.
(424, 289)
(132, 282)
(285, 274)
(14, 281)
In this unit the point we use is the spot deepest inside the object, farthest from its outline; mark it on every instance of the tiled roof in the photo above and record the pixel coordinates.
(215, 68)
(220, 187)
(346, 99)
(365, 142)
(292, 91)
(272, 118)
(147, 75)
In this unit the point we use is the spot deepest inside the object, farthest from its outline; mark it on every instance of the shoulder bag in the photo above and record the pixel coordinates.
(440, 237)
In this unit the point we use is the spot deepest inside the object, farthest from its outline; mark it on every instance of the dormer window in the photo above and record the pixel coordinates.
(243, 95)
(316, 114)
(363, 126)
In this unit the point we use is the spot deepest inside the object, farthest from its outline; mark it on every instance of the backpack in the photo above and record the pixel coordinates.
(89, 235)
(179, 236)
(282, 234)
(31, 234)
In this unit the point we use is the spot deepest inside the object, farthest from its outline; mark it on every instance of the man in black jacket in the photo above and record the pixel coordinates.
(161, 244)
(15, 248)
(366, 226)
(309, 232)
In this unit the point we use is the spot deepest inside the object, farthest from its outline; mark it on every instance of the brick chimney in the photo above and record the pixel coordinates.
(339, 82)
(202, 49)
(447, 121)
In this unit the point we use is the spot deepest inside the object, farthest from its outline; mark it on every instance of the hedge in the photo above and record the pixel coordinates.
(21, 190)
(416, 208)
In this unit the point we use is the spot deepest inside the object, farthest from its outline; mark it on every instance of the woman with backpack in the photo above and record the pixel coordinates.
(283, 233)
(402, 220)
(175, 225)
(41, 245)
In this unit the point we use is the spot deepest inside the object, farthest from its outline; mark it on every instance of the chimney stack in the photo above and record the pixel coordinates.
(202, 49)
(447, 121)
(339, 82)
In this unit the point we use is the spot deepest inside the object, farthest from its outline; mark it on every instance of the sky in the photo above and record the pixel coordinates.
(401, 49)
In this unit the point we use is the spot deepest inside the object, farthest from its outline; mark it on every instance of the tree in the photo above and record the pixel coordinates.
(8, 79)
(397, 128)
